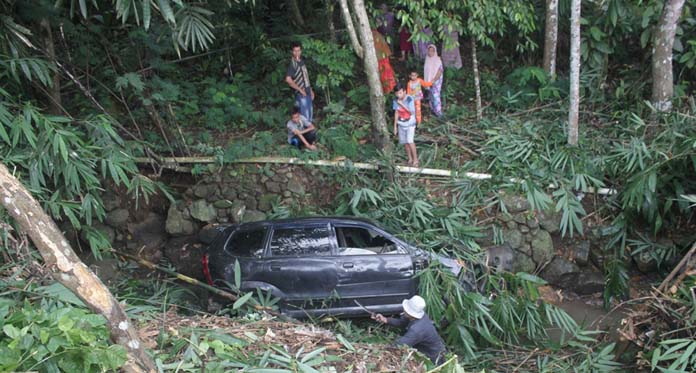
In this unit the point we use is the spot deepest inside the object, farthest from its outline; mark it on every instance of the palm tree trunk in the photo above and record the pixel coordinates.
(551, 38)
(348, 20)
(296, 14)
(477, 80)
(67, 268)
(330, 19)
(663, 80)
(574, 110)
(379, 120)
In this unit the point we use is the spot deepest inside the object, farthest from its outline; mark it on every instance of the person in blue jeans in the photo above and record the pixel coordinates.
(405, 123)
(298, 79)
(301, 132)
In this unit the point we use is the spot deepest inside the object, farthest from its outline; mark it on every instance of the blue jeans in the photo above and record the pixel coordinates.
(305, 104)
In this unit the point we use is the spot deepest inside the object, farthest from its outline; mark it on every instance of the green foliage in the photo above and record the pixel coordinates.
(526, 85)
(333, 65)
(52, 336)
(679, 353)
(64, 164)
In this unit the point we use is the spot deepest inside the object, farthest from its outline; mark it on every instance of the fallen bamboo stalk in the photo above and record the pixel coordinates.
(189, 280)
(175, 162)
(682, 263)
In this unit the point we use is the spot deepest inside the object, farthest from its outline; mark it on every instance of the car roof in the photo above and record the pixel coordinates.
(310, 220)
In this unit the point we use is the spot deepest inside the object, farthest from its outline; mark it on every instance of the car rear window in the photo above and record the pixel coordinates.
(310, 241)
(247, 243)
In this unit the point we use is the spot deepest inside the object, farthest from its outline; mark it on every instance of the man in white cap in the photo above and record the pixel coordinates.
(420, 331)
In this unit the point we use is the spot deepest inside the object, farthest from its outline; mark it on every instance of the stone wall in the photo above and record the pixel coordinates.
(532, 243)
(238, 193)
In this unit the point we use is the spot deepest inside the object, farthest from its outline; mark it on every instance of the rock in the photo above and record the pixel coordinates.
(236, 212)
(221, 213)
(177, 224)
(511, 225)
(104, 229)
(253, 215)
(583, 283)
(520, 218)
(222, 204)
(117, 218)
(185, 254)
(149, 235)
(295, 186)
(111, 201)
(515, 203)
(597, 255)
(532, 223)
(542, 247)
(524, 229)
(526, 249)
(581, 252)
(208, 233)
(287, 193)
(645, 262)
(202, 190)
(250, 203)
(501, 258)
(550, 220)
(557, 269)
(513, 237)
(108, 270)
(228, 193)
(266, 202)
(505, 218)
(523, 263)
(203, 211)
(486, 239)
(273, 187)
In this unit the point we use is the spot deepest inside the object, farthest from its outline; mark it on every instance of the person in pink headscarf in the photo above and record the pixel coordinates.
(433, 73)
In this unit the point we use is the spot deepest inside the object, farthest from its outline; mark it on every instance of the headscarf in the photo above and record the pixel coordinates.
(432, 65)
(381, 46)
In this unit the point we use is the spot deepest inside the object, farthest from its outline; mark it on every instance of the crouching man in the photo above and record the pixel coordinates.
(420, 331)
(301, 132)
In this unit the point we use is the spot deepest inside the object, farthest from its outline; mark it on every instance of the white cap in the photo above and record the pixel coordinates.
(415, 306)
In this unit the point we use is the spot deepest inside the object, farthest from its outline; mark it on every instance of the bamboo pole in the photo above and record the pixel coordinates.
(176, 162)
(189, 280)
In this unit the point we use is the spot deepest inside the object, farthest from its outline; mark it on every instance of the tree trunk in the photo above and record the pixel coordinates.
(574, 110)
(348, 20)
(551, 38)
(67, 268)
(55, 104)
(296, 14)
(330, 20)
(477, 80)
(379, 121)
(663, 84)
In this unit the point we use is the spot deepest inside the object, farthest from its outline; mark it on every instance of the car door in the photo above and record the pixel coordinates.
(373, 268)
(301, 265)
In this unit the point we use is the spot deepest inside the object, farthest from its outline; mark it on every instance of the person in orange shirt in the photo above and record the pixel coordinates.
(415, 88)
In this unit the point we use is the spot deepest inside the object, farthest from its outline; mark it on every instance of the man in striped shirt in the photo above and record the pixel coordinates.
(298, 79)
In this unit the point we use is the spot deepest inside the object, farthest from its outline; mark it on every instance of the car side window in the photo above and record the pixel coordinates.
(247, 243)
(363, 241)
(308, 241)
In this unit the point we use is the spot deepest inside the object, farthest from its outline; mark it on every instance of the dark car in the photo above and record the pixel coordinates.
(320, 265)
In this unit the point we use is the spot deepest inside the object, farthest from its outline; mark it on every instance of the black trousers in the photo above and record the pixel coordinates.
(310, 136)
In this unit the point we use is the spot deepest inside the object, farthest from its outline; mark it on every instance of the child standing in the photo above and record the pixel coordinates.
(405, 120)
(414, 88)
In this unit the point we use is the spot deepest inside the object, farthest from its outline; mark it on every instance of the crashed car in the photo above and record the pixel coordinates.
(320, 265)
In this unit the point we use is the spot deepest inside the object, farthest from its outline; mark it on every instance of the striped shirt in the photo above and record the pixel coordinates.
(298, 72)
